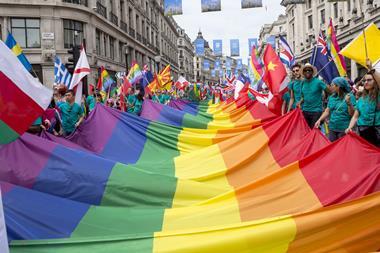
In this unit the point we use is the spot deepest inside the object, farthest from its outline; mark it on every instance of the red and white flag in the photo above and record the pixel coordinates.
(82, 69)
(181, 83)
(22, 97)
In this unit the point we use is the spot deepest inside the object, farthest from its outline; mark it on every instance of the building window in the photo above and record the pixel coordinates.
(310, 21)
(349, 6)
(26, 32)
(82, 2)
(72, 33)
(121, 52)
(335, 10)
(323, 16)
(308, 4)
(112, 48)
(105, 44)
(97, 41)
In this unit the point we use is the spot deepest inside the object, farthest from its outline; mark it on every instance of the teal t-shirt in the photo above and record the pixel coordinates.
(90, 101)
(131, 99)
(312, 92)
(296, 86)
(339, 115)
(70, 115)
(369, 113)
(286, 98)
(38, 121)
(251, 96)
(138, 106)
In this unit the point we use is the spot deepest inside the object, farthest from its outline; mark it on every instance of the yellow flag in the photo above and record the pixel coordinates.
(355, 50)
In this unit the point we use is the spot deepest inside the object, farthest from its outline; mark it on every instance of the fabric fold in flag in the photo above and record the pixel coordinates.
(22, 97)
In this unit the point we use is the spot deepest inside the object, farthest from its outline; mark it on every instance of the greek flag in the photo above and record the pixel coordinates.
(61, 74)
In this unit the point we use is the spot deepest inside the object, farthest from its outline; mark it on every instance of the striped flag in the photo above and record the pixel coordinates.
(286, 54)
(22, 97)
(333, 46)
(16, 49)
(257, 67)
(61, 74)
(82, 69)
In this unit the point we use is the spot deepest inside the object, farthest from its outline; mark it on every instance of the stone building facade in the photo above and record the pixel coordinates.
(116, 32)
(185, 55)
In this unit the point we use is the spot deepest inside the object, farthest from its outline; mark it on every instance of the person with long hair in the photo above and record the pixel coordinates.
(340, 108)
(367, 113)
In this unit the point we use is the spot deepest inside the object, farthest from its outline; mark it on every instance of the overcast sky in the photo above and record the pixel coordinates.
(230, 23)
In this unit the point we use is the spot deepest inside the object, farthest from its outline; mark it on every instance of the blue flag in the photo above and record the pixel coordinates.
(16, 49)
(321, 58)
(61, 74)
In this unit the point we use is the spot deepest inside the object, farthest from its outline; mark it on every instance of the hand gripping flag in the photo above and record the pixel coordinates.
(22, 97)
(61, 74)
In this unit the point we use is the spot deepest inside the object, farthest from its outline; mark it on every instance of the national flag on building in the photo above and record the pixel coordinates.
(333, 46)
(16, 49)
(22, 97)
(286, 54)
(322, 60)
(61, 74)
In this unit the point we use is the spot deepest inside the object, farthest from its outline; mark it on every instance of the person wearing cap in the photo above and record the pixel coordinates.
(294, 87)
(311, 94)
(340, 108)
(367, 113)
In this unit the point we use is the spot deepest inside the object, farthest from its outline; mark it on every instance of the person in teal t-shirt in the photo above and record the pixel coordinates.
(285, 103)
(91, 102)
(312, 95)
(340, 108)
(71, 114)
(367, 113)
(294, 87)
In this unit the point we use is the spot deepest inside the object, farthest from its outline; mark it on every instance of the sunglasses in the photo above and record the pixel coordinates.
(366, 80)
(307, 70)
(295, 70)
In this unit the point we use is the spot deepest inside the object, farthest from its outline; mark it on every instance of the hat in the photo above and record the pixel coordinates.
(342, 83)
(309, 66)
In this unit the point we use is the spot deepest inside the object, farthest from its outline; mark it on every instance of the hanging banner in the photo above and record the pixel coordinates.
(173, 7)
(272, 40)
(251, 4)
(211, 5)
(235, 50)
(217, 64)
(239, 64)
(228, 64)
(218, 47)
(206, 65)
(199, 47)
(251, 43)
(213, 73)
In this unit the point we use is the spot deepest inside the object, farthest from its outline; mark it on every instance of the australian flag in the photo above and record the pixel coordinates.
(321, 58)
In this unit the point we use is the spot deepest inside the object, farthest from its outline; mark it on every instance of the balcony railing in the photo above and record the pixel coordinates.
(144, 41)
(81, 2)
(114, 19)
(124, 26)
(131, 32)
(101, 9)
(138, 37)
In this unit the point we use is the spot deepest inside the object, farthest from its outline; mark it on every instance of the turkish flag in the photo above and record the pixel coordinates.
(275, 73)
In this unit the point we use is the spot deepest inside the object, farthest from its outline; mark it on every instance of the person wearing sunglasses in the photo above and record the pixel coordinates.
(311, 95)
(367, 113)
(71, 114)
(340, 108)
(294, 87)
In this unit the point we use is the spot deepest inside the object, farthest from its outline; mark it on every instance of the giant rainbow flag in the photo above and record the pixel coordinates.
(156, 183)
